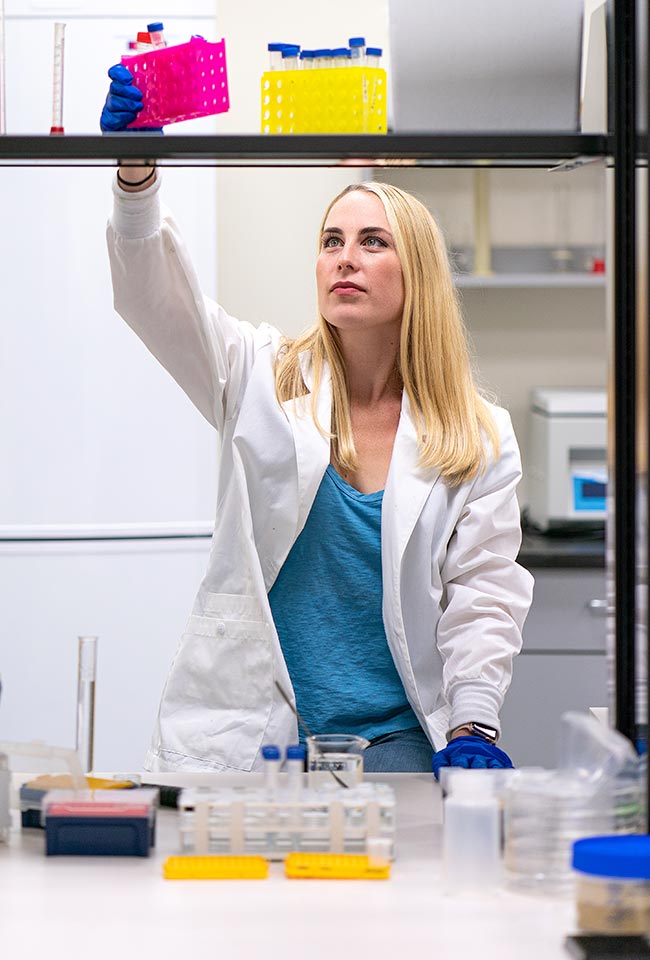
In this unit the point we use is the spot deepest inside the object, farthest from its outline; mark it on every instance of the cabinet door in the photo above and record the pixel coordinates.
(562, 665)
(544, 686)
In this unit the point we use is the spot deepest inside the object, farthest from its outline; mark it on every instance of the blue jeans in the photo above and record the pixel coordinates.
(405, 751)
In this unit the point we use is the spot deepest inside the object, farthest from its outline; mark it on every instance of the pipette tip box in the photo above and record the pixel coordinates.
(118, 823)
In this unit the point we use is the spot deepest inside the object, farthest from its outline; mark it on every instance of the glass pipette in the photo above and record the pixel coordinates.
(57, 79)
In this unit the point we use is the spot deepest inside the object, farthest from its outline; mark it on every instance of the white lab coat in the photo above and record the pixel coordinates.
(454, 598)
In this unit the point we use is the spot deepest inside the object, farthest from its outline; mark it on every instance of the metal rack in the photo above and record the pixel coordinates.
(623, 147)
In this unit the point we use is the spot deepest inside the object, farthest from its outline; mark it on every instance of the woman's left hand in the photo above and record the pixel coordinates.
(471, 752)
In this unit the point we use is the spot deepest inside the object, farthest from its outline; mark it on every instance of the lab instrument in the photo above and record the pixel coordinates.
(567, 464)
(86, 677)
(57, 78)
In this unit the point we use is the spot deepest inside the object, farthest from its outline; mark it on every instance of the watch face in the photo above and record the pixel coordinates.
(488, 733)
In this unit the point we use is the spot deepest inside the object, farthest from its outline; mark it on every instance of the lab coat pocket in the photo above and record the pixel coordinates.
(219, 693)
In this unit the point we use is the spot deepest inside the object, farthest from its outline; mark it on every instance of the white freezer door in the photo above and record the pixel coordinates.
(93, 431)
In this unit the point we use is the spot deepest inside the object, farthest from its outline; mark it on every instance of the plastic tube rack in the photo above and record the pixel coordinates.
(331, 100)
(272, 823)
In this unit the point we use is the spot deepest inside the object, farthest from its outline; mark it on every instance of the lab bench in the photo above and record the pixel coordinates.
(106, 907)
(563, 664)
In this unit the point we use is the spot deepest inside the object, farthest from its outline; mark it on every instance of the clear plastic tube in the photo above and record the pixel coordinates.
(373, 56)
(57, 78)
(357, 51)
(290, 58)
(156, 32)
(86, 701)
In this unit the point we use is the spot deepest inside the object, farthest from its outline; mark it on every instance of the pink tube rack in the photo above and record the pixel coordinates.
(182, 82)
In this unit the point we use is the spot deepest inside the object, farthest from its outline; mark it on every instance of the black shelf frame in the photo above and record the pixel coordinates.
(309, 149)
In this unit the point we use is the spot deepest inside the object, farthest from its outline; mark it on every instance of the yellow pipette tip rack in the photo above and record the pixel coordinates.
(334, 866)
(215, 868)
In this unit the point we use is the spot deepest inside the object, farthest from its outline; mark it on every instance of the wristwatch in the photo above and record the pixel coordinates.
(482, 730)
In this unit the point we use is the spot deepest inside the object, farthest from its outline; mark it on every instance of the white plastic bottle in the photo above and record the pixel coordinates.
(471, 833)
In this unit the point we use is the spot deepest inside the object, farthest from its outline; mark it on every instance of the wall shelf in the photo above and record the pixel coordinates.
(402, 149)
(509, 281)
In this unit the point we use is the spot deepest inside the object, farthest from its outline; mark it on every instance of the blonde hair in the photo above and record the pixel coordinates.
(452, 418)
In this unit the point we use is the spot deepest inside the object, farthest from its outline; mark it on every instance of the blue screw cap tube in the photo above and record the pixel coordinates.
(357, 50)
(272, 761)
(373, 56)
(295, 767)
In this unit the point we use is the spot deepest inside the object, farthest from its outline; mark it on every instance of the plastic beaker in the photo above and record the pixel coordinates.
(335, 758)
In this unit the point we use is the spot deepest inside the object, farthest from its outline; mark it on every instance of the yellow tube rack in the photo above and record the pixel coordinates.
(333, 866)
(330, 100)
(215, 867)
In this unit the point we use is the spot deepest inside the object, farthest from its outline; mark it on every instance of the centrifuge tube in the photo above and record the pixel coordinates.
(86, 701)
(57, 79)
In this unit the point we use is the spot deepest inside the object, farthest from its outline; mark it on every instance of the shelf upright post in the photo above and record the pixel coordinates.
(622, 527)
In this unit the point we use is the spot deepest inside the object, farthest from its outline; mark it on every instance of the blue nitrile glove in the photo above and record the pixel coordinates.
(470, 752)
(123, 103)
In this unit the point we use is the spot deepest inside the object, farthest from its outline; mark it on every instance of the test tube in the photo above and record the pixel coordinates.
(295, 767)
(271, 756)
(87, 670)
(156, 32)
(306, 59)
(373, 56)
(275, 55)
(290, 58)
(57, 79)
(3, 120)
(341, 56)
(357, 51)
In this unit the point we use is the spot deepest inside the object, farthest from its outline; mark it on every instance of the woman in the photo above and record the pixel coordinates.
(363, 561)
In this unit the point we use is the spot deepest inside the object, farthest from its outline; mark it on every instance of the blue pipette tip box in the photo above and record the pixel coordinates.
(99, 823)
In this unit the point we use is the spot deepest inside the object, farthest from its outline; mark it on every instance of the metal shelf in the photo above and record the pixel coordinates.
(469, 281)
(401, 149)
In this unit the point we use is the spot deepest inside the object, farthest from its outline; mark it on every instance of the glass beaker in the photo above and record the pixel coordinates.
(335, 758)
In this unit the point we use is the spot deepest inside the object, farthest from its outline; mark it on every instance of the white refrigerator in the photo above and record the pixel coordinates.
(107, 485)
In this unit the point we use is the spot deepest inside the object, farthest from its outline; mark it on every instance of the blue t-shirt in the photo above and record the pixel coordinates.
(327, 608)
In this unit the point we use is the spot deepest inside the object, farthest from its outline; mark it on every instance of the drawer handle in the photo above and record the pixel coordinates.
(597, 607)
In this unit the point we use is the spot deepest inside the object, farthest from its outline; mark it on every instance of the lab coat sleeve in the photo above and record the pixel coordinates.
(487, 594)
(156, 290)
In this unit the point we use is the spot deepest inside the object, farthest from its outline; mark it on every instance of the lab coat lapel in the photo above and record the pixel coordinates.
(312, 448)
(407, 487)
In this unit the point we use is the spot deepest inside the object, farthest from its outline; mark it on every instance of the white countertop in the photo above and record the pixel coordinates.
(101, 907)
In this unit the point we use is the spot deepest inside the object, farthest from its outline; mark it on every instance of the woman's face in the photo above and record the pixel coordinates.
(358, 273)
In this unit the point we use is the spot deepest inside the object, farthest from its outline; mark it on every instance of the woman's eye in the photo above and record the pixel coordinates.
(330, 242)
(374, 242)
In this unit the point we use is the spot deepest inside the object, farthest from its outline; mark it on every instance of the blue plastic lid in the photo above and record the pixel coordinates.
(341, 52)
(155, 27)
(323, 53)
(307, 54)
(290, 51)
(278, 46)
(357, 41)
(373, 51)
(270, 752)
(620, 856)
(296, 752)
